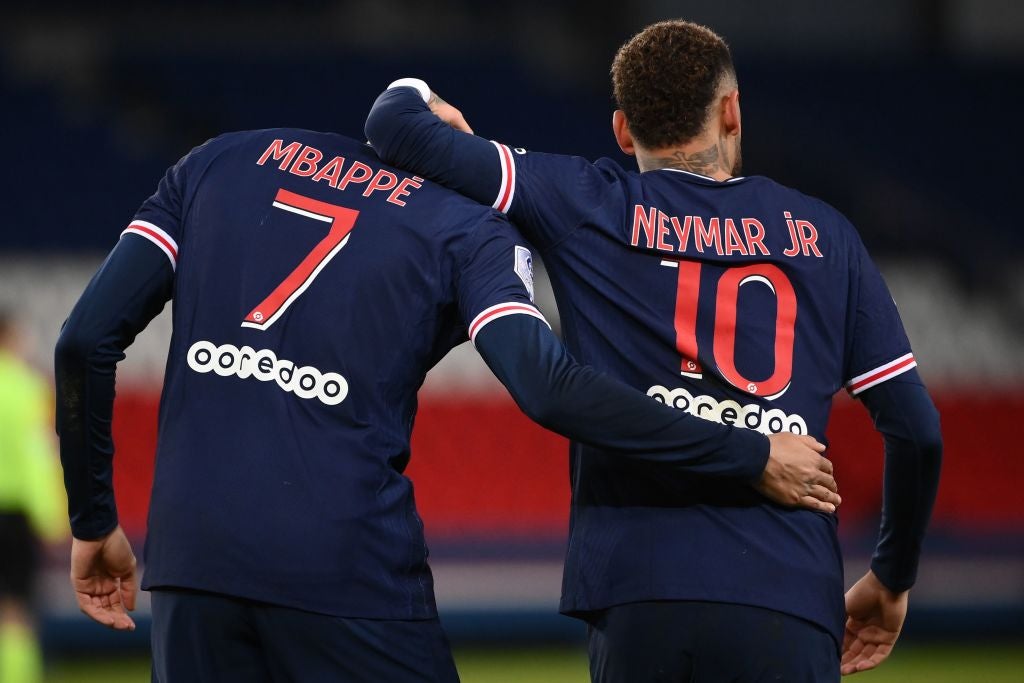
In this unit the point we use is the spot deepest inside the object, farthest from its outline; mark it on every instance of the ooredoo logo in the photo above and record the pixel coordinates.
(752, 416)
(302, 380)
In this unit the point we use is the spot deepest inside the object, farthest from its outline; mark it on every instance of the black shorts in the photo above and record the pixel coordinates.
(707, 642)
(199, 637)
(19, 556)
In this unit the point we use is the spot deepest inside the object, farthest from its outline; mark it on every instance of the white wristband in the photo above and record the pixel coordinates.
(420, 86)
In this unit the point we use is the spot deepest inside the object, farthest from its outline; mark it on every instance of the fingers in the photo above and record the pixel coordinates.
(450, 115)
(825, 495)
(459, 122)
(827, 481)
(813, 444)
(812, 503)
(106, 609)
(129, 590)
(868, 658)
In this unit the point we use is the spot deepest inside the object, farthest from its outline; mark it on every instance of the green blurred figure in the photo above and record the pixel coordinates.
(31, 503)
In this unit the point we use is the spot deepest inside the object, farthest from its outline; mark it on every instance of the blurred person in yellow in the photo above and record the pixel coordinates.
(31, 502)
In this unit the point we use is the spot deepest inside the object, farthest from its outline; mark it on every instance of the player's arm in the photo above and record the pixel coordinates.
(585, 405)
(884, 376)
(877, 604)
(547, 195)
(128, 291)
(588, 406)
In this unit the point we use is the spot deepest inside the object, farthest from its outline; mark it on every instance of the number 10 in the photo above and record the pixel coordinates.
(726, 301)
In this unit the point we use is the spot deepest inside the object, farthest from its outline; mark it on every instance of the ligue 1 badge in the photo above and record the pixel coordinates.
(524, 268)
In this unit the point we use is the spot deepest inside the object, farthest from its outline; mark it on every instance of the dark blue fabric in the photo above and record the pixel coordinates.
(129, 290)
(707, 642)
(676, 284)
(583, 404)
(207, 638)
(905, 415)
(283, 438)
(266, 487)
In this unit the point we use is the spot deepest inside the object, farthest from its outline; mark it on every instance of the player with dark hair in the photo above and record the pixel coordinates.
(731, 298)
(313, 289)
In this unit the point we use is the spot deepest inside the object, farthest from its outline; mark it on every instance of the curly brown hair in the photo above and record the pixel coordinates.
(666, 77)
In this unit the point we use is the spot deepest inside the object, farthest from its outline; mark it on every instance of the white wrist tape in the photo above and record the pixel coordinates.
(420, 85)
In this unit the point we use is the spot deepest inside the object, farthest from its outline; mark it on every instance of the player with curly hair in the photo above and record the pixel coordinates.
(729, 297)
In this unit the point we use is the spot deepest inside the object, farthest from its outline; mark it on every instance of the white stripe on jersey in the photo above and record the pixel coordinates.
(157, 236)
(881, 373)
(507, 188)
(492, 313)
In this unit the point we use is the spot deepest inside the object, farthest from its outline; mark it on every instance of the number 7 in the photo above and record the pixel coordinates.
(342, 221)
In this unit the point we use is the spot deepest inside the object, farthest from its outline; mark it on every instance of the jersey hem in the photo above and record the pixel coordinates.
(348, 613)
(585, 613)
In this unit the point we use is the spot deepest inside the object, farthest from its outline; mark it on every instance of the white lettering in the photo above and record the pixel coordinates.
(305, 382)
(751, 416)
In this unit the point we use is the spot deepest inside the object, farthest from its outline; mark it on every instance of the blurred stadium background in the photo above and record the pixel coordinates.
(905, 114)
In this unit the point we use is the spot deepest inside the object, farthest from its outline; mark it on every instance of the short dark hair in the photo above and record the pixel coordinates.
(666, 77)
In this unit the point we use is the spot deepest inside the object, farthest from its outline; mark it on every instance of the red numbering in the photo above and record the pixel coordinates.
(726, 303)
(686, 317)
(342, 221)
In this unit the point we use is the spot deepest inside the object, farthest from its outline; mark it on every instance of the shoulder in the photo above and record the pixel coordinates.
(457, 215)
(613, 169)
(286, 138)
(829, 216)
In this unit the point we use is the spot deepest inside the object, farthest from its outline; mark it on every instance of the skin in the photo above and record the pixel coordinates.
(714, 153)
(875, 618)
(103, 576)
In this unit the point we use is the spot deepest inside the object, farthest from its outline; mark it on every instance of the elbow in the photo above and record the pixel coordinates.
(373, 132)
(379, 130)
(930, 438)
(73, 347)
(76, 347)
(544, 411)
(930, 445)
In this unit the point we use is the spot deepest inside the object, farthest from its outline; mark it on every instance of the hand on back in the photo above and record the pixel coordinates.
(797, 475)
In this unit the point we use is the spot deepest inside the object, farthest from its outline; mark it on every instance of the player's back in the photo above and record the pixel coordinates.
(742, 302)
(313, 290)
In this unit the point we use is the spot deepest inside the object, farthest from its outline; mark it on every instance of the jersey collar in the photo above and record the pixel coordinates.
(705, 178)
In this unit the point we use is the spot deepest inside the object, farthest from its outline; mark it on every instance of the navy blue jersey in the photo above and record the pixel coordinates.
(742, 302)
(314, 288)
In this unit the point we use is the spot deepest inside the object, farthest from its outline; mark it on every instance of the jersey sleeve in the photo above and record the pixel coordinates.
(494, 276)
(878, 348)
(546, 195)
(160, 218)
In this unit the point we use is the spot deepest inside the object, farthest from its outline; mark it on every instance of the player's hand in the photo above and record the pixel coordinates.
(447, 113)
(103, 578)
(874, 619)
(797, 475)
